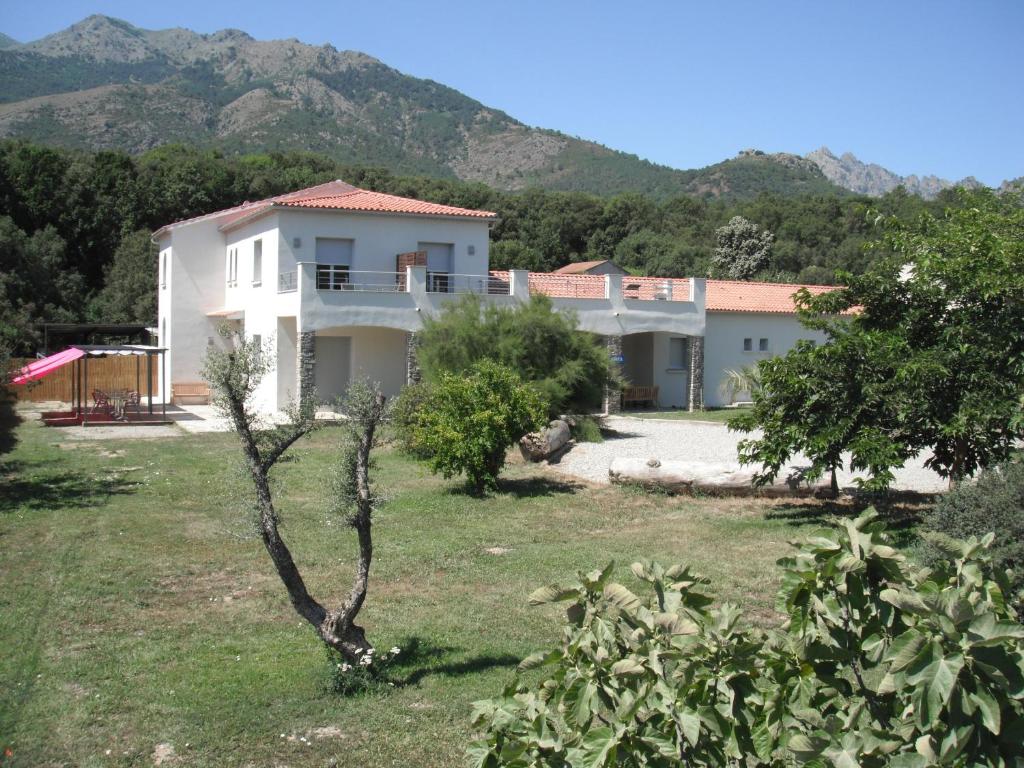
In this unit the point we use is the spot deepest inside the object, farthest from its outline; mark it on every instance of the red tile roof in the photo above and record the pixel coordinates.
(364, 200)
(741, 296)
(578, 268)
(336, 195)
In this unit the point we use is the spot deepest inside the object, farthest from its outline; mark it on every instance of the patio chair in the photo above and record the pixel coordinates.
(100, 400)
(133, 401)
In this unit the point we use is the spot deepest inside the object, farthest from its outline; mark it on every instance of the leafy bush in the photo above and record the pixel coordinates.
(879, 663)
(994, 503)
(468, 421)
(586, 429)
(569, 367)
(404, 413)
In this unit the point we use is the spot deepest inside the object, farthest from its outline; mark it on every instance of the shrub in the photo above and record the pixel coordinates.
(468, 421)
(879, 663)
(995, 503)
(404, 413)
(586, 429)
(568, 367)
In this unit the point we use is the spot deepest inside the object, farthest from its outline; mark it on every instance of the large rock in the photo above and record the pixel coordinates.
(704, 477)
(538, 446)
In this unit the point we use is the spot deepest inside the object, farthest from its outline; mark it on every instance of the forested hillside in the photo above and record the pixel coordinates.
(74, 226)
(106, 84)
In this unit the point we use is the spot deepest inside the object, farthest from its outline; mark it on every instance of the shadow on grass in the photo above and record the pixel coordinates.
(900, 510)
(521, 488)
(21, 488)
(421, 658)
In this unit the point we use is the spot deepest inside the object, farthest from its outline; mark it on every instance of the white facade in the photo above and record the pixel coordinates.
(727, 336)
(328, 278)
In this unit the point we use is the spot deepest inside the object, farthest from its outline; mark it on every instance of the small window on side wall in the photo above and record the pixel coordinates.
(257, 262)
(163, 270)
(762, 345)
(748, 345)
(257, 341)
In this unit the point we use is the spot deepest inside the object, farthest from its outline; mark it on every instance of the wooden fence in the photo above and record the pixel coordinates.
(105, 373)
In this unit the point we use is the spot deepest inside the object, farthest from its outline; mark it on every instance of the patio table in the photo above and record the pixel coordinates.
(118, 399)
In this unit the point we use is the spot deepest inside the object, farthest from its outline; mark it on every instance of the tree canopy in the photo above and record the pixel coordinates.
(67, 216)
(925, 352)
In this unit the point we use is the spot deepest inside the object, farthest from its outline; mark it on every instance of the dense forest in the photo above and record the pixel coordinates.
(75, 225)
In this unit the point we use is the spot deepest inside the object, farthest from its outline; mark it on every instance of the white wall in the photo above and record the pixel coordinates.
(377, 354)
(194, 287)
(723, 344)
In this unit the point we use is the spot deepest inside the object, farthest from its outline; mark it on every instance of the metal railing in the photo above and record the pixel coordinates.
(288, 282)
(334, 277)
(485, 285)
(568, 286)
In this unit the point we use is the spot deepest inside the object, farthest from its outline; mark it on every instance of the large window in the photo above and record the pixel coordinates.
(257, 262)
(333, 263)
(232, 267)
(678, 354)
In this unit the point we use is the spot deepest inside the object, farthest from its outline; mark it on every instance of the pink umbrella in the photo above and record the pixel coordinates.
(37, 369)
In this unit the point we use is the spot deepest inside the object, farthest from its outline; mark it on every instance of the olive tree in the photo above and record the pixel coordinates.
(742, 248)
(234, 376)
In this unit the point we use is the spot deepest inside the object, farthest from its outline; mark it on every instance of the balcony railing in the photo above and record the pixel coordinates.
(334, 277)
(569, 286)
(288, 282)
(656, 288)
(485, 285)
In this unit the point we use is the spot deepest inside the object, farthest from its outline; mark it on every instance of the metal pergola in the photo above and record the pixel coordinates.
(80, 376)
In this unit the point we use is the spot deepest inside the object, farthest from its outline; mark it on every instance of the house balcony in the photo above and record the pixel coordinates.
(327, 296)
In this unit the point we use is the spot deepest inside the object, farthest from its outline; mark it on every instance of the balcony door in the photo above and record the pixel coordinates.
(333, 368)
(439, 266)
(333, 263)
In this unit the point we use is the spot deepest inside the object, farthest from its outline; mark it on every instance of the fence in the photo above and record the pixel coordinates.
(105, 373)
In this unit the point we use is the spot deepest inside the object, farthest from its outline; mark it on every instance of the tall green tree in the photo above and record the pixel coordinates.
(129, 291)
(569, 367)
(742, 248)
(925, 352)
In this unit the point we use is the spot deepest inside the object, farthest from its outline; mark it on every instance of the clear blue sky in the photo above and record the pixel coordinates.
(918, 87)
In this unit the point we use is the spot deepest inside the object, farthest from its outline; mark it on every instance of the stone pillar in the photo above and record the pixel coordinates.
(612, 393)
(307, 363)
(696, 388)
(412, 363)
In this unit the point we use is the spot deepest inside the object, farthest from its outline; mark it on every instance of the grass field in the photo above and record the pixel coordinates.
(137, 611)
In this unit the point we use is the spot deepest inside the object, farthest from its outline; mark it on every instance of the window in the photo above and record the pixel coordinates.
(333, 263)
(678, 354)
(232, 268)
(257, 262)
(163, 270)
(748, 345)
(762, 345)
(257, 341)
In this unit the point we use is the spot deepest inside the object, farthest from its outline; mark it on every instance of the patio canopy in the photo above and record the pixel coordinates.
(44, 366)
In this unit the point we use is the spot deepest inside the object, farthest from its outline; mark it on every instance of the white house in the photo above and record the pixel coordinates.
(337, 280)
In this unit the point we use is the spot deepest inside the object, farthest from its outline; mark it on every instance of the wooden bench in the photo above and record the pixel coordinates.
(639, 396)
(190, 393)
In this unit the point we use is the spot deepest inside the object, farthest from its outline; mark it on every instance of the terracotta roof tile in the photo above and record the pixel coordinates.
(740, 296)
(364, 200)
(578, 267)
(334, 195)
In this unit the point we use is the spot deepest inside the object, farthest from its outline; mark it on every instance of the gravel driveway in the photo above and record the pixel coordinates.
(695, 441)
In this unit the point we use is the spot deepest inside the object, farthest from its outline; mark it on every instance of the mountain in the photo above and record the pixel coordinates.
(7, 42)
(871, 179)
(105, 84)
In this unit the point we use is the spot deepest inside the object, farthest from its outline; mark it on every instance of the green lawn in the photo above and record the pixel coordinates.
(137, 611)
(714, 414)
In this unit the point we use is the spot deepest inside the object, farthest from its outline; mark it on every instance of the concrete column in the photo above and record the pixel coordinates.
(519, 280)
(412, 363)
(696, 388)
(612, 393)
(307, 364)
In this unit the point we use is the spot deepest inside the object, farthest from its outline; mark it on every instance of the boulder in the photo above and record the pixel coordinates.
(538, 446)
(721, 479)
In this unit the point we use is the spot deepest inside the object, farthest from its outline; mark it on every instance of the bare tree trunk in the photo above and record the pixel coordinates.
(336, 628)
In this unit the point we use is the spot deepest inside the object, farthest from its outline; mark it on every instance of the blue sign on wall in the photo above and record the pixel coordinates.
(618, 359)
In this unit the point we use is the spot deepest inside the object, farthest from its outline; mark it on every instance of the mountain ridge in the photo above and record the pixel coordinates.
(103, 83)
